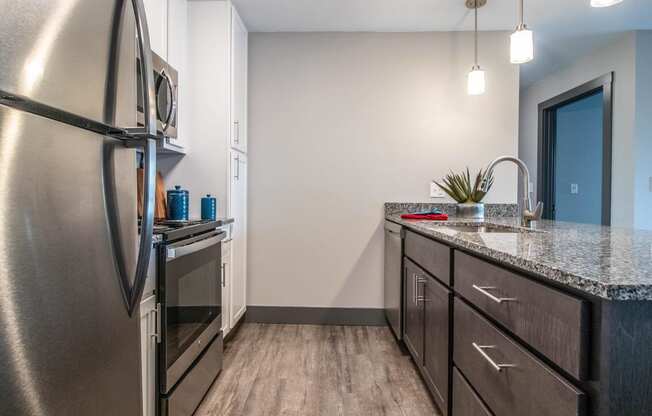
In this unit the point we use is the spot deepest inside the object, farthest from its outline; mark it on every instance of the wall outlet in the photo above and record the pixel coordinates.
(575, 188)
(436, 192)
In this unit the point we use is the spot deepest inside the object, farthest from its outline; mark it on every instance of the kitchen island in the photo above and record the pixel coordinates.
(555, 319)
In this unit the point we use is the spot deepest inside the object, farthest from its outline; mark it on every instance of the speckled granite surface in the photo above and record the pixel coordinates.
(608, 262)
(491, 210)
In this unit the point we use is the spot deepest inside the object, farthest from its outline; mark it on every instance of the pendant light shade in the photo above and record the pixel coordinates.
(521, 41)
(521, 46)
(476, 82)
(604, 3)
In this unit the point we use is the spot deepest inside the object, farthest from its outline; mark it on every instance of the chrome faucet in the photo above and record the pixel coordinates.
(525, 207)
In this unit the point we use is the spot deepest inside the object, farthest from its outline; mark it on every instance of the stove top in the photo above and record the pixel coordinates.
(175, 230)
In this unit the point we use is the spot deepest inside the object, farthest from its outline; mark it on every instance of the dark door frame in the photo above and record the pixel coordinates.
(546, 142)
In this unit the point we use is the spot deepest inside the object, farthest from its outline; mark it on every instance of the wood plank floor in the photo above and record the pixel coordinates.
(307, 370)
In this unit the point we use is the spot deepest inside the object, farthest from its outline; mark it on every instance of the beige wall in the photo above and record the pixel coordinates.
(619, 56)
(339, 123)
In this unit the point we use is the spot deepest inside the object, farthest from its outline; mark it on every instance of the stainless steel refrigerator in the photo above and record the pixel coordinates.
(72, 261)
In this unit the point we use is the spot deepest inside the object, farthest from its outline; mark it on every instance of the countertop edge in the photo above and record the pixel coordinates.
(586, 285)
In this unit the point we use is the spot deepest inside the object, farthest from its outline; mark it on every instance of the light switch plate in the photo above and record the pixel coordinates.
(574, 188)
(436, 192)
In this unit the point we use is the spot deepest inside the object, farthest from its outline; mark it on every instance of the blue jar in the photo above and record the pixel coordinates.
(178, 204)
(208, 208)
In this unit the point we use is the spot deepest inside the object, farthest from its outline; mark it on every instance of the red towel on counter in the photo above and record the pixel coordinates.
(432, 217)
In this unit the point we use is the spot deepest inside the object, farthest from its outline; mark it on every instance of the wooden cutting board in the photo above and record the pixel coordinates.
(160, 210)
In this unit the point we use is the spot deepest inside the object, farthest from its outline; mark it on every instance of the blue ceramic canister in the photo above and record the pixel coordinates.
(208, 208)
(178, 204)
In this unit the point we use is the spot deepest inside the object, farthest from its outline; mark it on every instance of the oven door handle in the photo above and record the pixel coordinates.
(174, 253)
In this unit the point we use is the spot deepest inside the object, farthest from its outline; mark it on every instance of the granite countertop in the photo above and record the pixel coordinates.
(609, 262)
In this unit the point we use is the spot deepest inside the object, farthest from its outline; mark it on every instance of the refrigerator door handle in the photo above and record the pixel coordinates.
(144, 137)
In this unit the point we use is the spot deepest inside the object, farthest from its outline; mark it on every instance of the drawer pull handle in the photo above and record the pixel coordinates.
(481, 349)
(485, 291)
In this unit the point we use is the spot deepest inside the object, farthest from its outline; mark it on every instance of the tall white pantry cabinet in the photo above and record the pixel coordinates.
(217, 39)
(238, 169)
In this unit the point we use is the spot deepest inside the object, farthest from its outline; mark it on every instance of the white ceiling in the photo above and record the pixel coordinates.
(563, 28)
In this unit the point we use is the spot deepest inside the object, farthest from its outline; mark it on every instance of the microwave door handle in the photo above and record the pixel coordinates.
(174, 253)
(172, 109)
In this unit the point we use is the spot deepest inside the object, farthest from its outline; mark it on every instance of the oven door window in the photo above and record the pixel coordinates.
(192, 294)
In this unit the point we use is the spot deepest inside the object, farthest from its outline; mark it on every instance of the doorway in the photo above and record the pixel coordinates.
(574, 178)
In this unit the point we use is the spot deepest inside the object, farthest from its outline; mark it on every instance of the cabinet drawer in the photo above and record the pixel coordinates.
(434, 257)
(465, 401)
(510, 380)
(552, 322)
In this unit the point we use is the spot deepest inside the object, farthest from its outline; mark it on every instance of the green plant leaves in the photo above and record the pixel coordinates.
(458, 186)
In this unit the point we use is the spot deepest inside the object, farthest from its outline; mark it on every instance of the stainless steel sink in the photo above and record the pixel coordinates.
(486, 228)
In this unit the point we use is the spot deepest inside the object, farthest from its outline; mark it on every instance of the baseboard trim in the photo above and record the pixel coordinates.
(315, 316)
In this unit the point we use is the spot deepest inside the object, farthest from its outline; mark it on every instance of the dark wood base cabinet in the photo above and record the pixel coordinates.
(465, 400)
(491, 340)
(427, 330)
(413, 307)
(436, 340)
(509, 379)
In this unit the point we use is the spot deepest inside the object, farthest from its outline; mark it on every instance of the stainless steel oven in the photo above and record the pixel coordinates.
(190, 293)
(166, 89)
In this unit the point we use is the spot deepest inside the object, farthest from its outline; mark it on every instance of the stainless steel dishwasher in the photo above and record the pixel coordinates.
(393, 277)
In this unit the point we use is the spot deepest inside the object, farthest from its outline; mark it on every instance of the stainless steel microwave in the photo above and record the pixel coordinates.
(166, 90)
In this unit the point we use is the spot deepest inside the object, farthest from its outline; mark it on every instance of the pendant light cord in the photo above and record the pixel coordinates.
(476, 32)
(521, 16)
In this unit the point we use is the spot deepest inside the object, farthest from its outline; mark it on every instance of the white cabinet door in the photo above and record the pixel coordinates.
(238, 210)
(148, 321)
(239, 39)
(157, 20)
(177, 58)
(226, 287)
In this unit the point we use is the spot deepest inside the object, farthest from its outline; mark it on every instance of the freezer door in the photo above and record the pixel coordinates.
(67, 344)
(59, 53)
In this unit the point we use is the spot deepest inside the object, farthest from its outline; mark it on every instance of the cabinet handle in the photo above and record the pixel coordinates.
(223, 275)
(237, 168)
(485, 291)
(157, 325)
(481, 349)
(416, 281)
(414, 288)
(237, 132)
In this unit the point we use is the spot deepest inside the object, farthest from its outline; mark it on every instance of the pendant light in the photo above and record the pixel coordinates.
(476, 79)
(604, 3)
(521, 42)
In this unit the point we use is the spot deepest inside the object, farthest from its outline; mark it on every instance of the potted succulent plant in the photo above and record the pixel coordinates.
(467, 195)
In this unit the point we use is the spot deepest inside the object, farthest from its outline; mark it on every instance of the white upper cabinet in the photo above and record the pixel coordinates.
(239, 39)
(177, 33)
(157, 20)
(177, 58)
